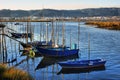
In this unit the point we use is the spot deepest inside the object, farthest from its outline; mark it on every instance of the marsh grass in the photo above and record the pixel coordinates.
(115, 25)
(12, 73)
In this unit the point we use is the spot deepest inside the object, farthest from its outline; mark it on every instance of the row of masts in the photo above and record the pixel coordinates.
(44, 31)
(30, 28)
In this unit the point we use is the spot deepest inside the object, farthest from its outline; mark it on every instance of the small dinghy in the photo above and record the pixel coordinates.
(83, 64)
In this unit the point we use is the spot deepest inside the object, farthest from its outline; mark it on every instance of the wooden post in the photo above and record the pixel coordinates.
(0, 40)
(4, 48)
(2, 45)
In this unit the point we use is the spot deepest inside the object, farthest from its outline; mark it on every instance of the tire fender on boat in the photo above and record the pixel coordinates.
(31, 53)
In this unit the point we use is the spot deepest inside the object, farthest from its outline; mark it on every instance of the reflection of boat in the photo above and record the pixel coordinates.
(47, 61)
(21, 35)
(12, 61)
(26, 59)
(57, 52)
(83, 64)
(78, 70)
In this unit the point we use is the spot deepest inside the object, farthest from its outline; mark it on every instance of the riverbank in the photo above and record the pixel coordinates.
(115, 25)
(11, 73)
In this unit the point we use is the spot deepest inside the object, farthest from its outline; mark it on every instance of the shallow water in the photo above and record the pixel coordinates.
(103, 44)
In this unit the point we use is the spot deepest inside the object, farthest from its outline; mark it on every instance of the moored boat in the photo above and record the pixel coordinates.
(83, 64)
(57, 52)
(21, 35)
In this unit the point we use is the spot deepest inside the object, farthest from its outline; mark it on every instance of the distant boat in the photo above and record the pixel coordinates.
(83, 64)
(18, 24)
(57, 52)
(21, 35)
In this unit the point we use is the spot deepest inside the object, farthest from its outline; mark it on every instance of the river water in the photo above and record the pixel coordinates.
(103, 44)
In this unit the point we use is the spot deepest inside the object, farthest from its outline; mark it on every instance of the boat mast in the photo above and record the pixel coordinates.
(47, 33)
(52, 34)
(28, 20)
(40, 31)
(88, 46)
(78, 33)
(57, 30)
(63, 37)
(31, 34)
(70, 38)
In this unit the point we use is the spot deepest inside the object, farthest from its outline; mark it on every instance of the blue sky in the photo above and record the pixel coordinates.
(57, 4)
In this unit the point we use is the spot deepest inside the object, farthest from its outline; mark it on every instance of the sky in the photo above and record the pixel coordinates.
(57, 4)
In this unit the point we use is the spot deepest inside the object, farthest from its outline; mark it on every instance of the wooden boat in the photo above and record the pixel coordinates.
(78, 70)
(21, 35)
(83, 64)
(57, 52)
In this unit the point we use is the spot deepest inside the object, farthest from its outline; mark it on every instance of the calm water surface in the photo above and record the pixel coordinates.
(103, 44)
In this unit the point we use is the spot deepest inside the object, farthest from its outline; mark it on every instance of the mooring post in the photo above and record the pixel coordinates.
(2, 26)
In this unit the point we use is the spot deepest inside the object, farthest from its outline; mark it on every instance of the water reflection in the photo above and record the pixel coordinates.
(77, 70)
(23, 60)
(104, 44)
(47, 61)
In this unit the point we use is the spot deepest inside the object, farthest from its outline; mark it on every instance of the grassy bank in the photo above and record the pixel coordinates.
(12, 73)
(115, 25)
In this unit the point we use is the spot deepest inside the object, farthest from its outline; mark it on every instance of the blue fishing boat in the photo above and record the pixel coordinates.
(78, 70)
(83, 64)
(57, 52)
(21, 35)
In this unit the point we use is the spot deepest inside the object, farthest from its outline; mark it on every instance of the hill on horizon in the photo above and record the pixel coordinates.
(90, 12)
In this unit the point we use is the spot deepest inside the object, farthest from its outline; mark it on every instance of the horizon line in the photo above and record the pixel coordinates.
(58, 9)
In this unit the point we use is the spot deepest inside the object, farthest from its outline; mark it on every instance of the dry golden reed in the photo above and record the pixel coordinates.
(13, 73)
(115, 25)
